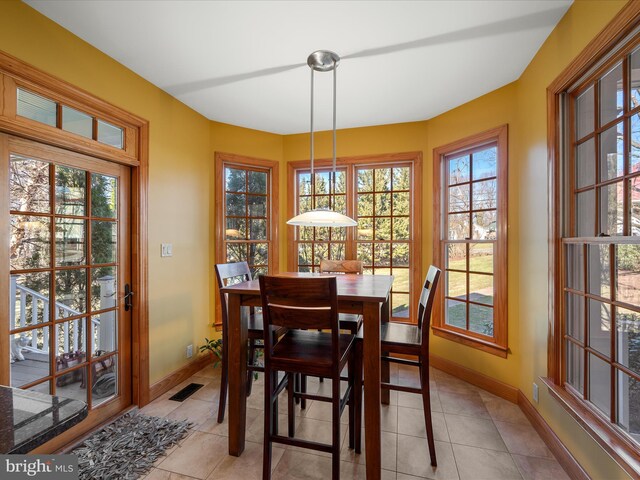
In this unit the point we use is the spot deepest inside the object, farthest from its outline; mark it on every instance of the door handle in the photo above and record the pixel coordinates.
(128, 293)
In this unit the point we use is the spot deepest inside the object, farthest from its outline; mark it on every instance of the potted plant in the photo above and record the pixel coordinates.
(215, 347)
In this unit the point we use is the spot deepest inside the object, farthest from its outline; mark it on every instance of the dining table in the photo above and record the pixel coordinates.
(366, 295)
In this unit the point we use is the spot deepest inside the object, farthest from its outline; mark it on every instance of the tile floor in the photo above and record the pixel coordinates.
(478, 436)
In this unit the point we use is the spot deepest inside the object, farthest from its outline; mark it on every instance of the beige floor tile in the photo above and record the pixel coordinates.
(469, 403)
(247, 466)
(523, 440)
(480, 464)
(413, 459)
(170, 450)
(210, 371)
(414, 400)
(195, 411)
(502, 410)
(404, 476)
(209, 393)
(388, 443)
(323, 411)
(161, 406)
(158, 474)
(475, 432)
(533, 468)
(197, 456)
(449, 383)
(255, 426)
(389, 418)
(315, 431)
(411, 422)
(211, 425)
(299, 465)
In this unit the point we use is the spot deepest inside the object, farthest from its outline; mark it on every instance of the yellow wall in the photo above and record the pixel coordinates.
(182, 189)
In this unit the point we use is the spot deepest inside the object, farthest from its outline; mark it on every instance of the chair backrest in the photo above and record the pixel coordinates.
(299, 303)
(226, 272)
(341, 266)
(426, 302)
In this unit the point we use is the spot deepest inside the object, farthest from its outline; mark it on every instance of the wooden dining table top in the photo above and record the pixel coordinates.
(358, 288)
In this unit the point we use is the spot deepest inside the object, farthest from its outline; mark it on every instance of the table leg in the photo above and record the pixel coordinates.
(385, 315)
(371, 364)
(237, 375)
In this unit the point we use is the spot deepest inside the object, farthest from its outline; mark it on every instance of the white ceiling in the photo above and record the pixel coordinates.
(244, 62)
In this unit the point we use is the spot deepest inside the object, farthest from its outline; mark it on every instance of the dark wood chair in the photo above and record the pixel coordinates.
(225, 273)
(302, 306)
(348, 321)
(413, 340)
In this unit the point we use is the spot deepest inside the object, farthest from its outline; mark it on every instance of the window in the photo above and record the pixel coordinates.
(594, 258)
(246, 220)
(379, 192)
(470, 187)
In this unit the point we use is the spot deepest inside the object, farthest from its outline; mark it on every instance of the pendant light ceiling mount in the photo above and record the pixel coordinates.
(323, 61)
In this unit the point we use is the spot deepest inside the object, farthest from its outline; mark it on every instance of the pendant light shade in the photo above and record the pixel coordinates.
(323, 61)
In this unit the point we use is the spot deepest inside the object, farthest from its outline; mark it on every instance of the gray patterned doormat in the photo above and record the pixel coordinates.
(127, 448)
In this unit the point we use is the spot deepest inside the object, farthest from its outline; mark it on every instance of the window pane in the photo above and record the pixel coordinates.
(383, 204)
(612, 152)
(236, 229)
(600, 326)
(320, 252)
(71, 186)
(304, 183)
(110, 134)
(574, 267)
(71, 292)
(611, 95)
(484, 163)
(599, 278)
(29, 185)
(365, 253)
(77, 122)
(36, 107)
(459, 200)
(400, 280)
(612, 209)
(105, 380)
(585, 164)
(235, 180)
(457, 256)
(382, 179)
(634, 208)
(600, 384)
(628, 404)
(337, 251)
(401, 228)
(383, 229)
(484, 225)
(456, 314)
(584, 113)
(481, 257)
(365, 204)
(481, 288)
(365, 228)
(104, 288)
(400, 254)
(401, 203)
(69, 384)
(575, 367)
(575, 316)
(456, 285)
(400, 305)
(365, 180)
(29, 299)
(236, 204)
(305, 254)
(236, 252)
(401, 178)
(628, 274)
(104, 241)
(459, 169)
(30, 242)
(585, 218)
(104, 196)
(323, 183)
(258, 229)
(70, 342)
(259, 254)
(628, 338)
(485, 194)
(29, 356)
(70, 242)
(382, 255)
(257, 205)
(458, 226)
(481, 319)
(257, 182)
(635, 79)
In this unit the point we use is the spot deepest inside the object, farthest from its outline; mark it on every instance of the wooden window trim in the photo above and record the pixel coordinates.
(499, 346)
(228, 159)
(603, 432)
(351, 162)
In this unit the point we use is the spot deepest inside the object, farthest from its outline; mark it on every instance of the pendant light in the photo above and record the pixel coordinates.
(323, 61)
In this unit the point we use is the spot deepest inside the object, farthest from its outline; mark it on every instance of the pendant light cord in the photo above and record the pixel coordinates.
(335, 68)
(312, 182)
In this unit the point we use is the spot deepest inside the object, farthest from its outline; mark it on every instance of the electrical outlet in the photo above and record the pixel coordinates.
(189, 351)
(166, 250)
(535, 392)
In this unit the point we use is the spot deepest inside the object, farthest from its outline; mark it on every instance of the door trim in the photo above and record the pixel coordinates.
(138, 132)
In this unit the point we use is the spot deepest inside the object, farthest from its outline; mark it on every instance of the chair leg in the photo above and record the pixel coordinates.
(357, 385)
(268, 425)
(335, 427)
(352, 400)
(252, 361)
(385, 376)
(426, 405)
(291, 410)
(274, 411)
(224, 379)
(303, 389)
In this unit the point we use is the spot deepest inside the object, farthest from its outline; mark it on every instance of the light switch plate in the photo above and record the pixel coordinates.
(166, 250)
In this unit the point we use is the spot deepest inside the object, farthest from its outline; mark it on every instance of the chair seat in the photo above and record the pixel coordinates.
(401, 335)
(350, 321)
(309, 352)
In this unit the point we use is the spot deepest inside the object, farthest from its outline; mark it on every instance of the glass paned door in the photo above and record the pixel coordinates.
(68, 217)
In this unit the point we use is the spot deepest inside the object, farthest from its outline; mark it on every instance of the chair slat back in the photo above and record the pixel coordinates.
(427, 297)
(341, 266)
(224, 273)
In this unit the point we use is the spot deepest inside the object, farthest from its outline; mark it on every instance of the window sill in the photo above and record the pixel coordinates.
(468, 340)
(623, 450)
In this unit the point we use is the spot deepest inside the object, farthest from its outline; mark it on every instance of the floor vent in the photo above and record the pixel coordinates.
(186, 392)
